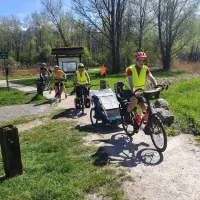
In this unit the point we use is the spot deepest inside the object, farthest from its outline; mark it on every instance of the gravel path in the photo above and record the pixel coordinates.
(8, 113)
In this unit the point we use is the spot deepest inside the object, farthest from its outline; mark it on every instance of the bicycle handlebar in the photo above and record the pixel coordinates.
(162, 86)
(159, 86)
(59, 79)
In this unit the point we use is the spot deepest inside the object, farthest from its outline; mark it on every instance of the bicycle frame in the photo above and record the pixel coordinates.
(59, 88)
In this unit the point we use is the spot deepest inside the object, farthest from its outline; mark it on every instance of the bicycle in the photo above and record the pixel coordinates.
(83, 96)
(59, 85)
(153, 127)
(47, 84)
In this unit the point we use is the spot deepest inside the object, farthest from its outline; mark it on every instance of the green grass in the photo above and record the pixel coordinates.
(56, 165)
(184, 102)
(26, 81)
(13, 97)
(18, 77)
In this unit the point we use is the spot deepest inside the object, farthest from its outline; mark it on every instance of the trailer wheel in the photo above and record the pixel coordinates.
(93, 120)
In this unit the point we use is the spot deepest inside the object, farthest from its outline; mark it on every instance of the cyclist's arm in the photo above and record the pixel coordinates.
(75, 79)
(152, 79)
(88, 78)
(65, 76)
(130, 79)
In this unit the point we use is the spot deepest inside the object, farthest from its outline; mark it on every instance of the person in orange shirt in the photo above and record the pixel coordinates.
(59, 75)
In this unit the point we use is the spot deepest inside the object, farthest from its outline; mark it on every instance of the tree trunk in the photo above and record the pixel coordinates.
(167, 61)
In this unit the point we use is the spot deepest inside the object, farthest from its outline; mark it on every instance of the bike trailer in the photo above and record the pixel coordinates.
(105, 104)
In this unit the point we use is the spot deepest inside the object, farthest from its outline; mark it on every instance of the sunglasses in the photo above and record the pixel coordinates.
(141, 61)
(56, 68)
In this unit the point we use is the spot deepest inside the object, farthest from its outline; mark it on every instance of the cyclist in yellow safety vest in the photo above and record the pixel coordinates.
(81, 78)
(136, 78)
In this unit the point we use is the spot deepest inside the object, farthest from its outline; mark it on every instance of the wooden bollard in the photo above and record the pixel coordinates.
(102, 84)
(10, 149)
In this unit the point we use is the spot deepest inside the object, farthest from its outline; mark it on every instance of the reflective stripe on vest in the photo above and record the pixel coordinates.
(81, 80)
(138, 81)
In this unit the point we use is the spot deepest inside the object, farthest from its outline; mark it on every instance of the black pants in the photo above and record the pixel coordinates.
(128, 94)
(82, 87)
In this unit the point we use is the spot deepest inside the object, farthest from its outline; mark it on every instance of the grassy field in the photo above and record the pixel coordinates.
(184, 102)
(14, 97)
(56, 165)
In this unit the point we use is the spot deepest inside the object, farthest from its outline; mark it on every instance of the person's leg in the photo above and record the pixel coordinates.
(144, 109)
(64, 90)
(78, 91)
(56, 88)
(133, 103)
(86, 91)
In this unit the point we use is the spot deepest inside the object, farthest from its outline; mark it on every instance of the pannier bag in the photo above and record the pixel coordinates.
(77, 103)
(87, 102)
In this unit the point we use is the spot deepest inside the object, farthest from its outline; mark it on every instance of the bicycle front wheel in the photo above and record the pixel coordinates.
(158, 133)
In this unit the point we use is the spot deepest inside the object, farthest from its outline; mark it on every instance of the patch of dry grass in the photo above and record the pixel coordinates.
(184, 66)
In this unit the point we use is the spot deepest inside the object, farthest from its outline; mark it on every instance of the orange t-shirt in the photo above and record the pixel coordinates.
(58, 74)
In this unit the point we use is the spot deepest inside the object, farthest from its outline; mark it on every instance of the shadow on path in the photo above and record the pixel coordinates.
(121, 149)
(69, 113)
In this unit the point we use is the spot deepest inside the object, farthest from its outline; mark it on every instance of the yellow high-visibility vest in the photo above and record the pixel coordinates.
(81, 79)
(138, 80)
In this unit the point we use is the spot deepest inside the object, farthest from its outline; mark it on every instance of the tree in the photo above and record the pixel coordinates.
(105, 17)
(54, 10)
(172, 18)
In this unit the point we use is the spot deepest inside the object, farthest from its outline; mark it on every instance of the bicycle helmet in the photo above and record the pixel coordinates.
(44, 64)
(56, 67)
(80, 65)
(141, 55)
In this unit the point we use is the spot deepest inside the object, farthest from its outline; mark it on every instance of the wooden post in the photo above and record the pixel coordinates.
(102, 84)
(10, 150)
(39, 86)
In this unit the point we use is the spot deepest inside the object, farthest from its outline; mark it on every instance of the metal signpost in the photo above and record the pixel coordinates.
(4, 56)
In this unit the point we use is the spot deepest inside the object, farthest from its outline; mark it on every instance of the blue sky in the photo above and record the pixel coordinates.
(21, 8)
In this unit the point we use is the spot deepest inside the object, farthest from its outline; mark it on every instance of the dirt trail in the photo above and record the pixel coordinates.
(172, 175)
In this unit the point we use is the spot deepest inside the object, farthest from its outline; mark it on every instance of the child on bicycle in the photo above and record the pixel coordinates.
(59, 75)
(81, 78)
(136, 78)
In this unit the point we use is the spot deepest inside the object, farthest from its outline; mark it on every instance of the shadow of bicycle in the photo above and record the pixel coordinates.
(121, 149)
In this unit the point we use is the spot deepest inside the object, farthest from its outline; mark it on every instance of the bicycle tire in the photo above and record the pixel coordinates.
(128, 127)
(59, 93)
(157, 132)
(93, 120)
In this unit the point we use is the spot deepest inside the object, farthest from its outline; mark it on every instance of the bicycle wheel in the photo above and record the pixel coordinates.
(59, 93)
(93, 120)
(158, 133)
(127, 126)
